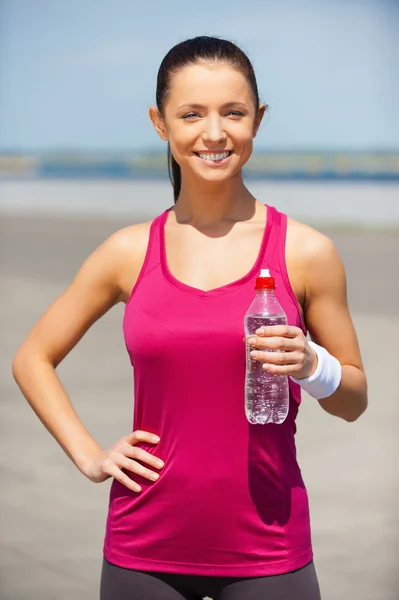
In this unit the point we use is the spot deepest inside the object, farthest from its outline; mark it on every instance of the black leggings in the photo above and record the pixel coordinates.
(118, 583)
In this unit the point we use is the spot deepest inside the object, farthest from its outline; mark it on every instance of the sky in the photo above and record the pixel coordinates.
(81, 74)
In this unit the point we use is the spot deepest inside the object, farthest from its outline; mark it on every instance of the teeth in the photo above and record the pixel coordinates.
(219, 156)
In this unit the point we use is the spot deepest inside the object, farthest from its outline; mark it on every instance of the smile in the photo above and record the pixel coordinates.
(214, 156)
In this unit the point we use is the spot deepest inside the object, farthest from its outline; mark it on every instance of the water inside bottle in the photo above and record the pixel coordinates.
(266, 396)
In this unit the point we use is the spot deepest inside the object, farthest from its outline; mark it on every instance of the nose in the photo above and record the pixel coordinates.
(213, 131)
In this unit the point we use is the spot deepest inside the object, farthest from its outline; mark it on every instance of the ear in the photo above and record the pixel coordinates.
(258, 119)
(158, 123)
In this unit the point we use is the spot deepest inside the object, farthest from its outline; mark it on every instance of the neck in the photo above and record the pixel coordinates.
(204, 205)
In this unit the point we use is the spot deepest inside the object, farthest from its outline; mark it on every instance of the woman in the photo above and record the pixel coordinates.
(202, 502)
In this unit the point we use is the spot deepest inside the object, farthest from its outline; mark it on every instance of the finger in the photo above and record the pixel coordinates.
(289, 331)
(138, 469)
(142, 436)
(280, 369)
(277, 358)
(120, 476)
(143, 456)
(274, 343)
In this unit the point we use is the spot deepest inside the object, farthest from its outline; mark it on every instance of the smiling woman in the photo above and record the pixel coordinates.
(203, 502)
(219, 129)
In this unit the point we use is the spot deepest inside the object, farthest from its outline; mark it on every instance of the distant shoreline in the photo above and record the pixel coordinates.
(349, 206)
(263, 166)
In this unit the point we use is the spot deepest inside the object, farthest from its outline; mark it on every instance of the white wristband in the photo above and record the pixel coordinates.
(327, 377)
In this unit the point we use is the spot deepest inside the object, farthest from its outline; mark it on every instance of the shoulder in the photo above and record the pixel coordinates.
(130, 239)
(308, 243)
(315, 258)
(125, 250)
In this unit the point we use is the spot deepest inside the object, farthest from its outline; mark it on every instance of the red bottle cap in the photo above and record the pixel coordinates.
(265, 283)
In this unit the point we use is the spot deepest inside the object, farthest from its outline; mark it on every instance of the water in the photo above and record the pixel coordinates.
(266, 396)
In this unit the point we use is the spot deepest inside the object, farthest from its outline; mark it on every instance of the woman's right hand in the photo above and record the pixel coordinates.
(124, 455)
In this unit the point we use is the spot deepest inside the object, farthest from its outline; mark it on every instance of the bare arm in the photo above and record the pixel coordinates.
(318, 277)
(330, 325)
(99, 285)
(93, 292)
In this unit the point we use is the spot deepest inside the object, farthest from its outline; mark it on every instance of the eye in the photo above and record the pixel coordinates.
(191, 115)
(236, 113)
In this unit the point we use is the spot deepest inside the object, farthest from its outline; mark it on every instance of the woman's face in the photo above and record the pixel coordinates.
(210, 121)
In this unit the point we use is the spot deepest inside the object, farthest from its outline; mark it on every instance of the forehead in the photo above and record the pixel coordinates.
(209, 84)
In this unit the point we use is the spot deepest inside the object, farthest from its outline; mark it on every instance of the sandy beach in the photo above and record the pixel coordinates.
(53, 519)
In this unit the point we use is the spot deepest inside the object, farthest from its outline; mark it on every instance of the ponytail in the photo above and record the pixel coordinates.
(174, 174)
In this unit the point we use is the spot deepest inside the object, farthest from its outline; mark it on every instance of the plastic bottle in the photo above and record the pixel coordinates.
(266, 395)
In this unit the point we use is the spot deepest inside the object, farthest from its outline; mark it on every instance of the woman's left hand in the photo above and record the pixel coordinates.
(283, 350)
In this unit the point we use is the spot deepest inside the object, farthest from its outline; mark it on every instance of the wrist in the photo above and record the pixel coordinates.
(327, 375)
(86, 459)
(315, 362)
(314, 365)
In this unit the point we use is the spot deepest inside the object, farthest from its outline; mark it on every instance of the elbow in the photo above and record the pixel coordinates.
(358, 409)
(17, 365)
(26, 361)
(357, 401)
(353, 417)
(20, 362)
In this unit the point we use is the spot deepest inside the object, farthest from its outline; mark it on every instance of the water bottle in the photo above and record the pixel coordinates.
(266, 395)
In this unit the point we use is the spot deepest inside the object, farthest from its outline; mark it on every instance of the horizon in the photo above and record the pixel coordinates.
(151, 151)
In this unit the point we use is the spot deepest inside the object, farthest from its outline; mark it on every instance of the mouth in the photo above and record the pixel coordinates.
(216, 158)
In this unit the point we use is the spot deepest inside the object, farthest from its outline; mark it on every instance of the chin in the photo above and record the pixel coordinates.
(215, 178)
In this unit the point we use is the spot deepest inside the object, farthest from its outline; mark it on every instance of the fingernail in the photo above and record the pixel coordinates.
(252, 341)
(154, 476)
(155, 438)
(137, 488)
(159, 464)
(259, 331)
(254, 353)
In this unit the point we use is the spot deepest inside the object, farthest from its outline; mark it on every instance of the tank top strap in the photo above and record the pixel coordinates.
(274, 249)
(153, 255)
(274, 257)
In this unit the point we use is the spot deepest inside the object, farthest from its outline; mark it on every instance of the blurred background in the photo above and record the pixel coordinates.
(79, 158)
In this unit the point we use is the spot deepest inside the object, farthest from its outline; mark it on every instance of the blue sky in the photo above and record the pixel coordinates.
(80, 74)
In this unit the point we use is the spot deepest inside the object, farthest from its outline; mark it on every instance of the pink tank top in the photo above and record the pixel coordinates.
(230, 500)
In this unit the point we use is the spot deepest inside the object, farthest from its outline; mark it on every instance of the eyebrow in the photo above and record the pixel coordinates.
(201, 106)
